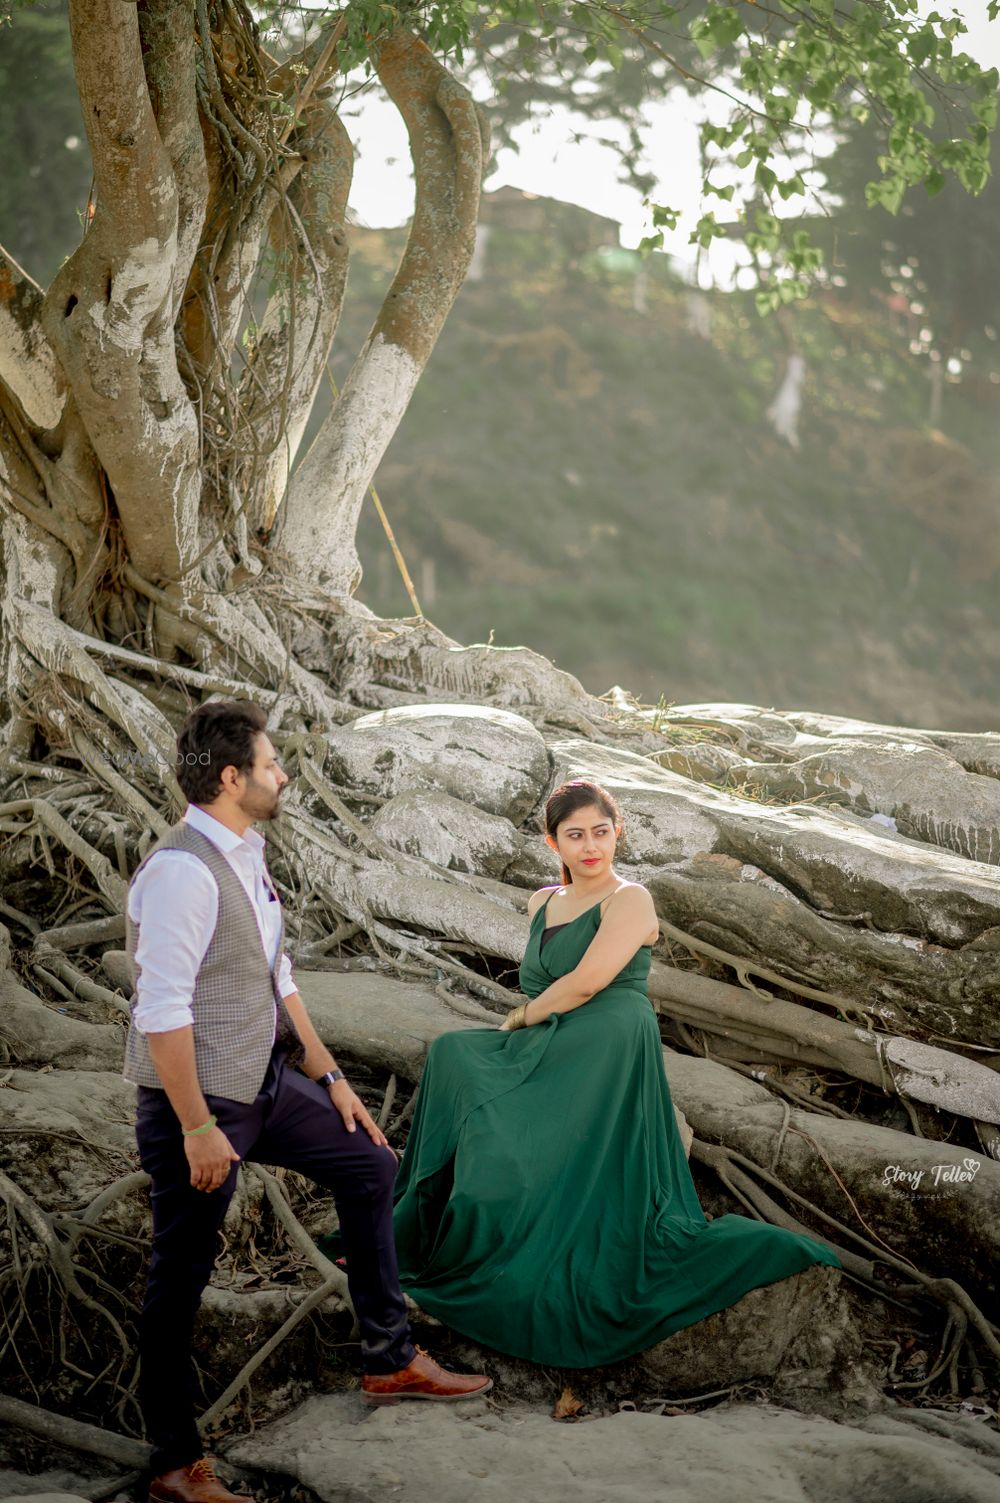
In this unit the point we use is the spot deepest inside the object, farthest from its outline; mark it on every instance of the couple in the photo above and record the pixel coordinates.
(544, 1206)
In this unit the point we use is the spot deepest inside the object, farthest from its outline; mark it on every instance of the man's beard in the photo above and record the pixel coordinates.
(259, 802)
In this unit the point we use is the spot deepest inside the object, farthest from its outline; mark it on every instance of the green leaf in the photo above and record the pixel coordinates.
(705, 231)
(719, 27)
(662, 215)
(921, 45)
(767, 301)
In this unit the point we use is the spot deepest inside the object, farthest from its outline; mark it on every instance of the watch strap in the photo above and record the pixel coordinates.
(331, 1077)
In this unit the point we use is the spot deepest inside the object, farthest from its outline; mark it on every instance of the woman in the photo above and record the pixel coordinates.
(544, 1204)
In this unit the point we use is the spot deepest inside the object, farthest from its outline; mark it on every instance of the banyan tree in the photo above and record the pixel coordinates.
(828, 890)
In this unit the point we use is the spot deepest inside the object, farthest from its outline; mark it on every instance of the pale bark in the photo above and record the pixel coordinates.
(449, 145)
(169, 48)
(109, 312)
(28, 366)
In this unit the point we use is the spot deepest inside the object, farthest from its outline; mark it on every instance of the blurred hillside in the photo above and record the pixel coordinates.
(588, 468)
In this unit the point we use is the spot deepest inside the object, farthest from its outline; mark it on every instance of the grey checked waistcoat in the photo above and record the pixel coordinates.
(235, 993)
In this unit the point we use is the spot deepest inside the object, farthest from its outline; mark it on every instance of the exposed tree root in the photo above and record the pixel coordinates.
(409, 914)
(74, 1434)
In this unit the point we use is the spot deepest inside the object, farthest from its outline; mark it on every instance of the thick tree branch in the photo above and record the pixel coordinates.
(109, 313)
(292, 346)
(169, 46)
(28, 366)
(449, 145)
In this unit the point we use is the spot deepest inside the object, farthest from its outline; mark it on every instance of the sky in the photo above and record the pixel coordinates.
(550, 162)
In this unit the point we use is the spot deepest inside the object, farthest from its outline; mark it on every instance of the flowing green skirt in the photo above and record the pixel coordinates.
(545, 1207)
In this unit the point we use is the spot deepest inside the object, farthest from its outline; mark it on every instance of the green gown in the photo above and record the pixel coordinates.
(545, 1207)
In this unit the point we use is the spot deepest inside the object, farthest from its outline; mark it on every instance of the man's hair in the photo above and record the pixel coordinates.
(216, 735)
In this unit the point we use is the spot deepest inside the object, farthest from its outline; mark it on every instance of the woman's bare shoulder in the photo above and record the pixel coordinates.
(633, 889)
(538, 898)
(632, 898)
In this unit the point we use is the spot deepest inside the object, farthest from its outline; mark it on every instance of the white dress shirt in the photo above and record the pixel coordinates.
(176, 909)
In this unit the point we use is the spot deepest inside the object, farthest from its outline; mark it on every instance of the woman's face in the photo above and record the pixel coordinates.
(585, 841)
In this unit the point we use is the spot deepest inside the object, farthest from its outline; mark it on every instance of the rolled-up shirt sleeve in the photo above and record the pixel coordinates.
(175, 902)
(286, 981)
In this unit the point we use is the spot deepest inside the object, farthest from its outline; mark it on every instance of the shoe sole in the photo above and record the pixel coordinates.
(382, 1400)
(238, 1498)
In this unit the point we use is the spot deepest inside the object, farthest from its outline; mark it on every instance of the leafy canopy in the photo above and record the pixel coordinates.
(785, 78)
(784, 82)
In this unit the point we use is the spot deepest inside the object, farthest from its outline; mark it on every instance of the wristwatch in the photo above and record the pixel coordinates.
(331, 1077)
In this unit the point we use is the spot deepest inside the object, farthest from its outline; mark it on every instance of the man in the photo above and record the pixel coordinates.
(229, 1067)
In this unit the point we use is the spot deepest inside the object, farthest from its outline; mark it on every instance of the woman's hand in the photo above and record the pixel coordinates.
(515, 1019)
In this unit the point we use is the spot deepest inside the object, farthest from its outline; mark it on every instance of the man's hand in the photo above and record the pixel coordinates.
(211, 1156)
(353, 1111)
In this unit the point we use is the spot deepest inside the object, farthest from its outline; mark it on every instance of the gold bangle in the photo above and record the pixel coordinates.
(516, 1018)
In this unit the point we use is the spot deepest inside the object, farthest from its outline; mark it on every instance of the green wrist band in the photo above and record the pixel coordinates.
(192, 1132)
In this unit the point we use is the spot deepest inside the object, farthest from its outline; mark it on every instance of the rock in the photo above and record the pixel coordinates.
(40, 1497)
(871, 766)
(976, 751)
(64, 1133)
(535, 865)
(440, 1453)
(798, 1330)
(491, 758)
(382, 1021)
(456, 835)
(232, 1324)
(797, 1336)
(754, 728)
(926, 792)
(704, 761)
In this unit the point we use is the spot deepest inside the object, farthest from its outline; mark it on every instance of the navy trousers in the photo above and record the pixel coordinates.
(292, 1123)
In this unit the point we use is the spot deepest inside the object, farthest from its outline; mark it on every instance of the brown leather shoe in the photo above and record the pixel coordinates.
(196, 1483)
(423, 1379)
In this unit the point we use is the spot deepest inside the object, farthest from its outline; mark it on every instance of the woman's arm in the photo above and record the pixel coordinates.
(628, 921)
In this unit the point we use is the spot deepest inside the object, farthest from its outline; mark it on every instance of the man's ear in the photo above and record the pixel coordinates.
(229, 777)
